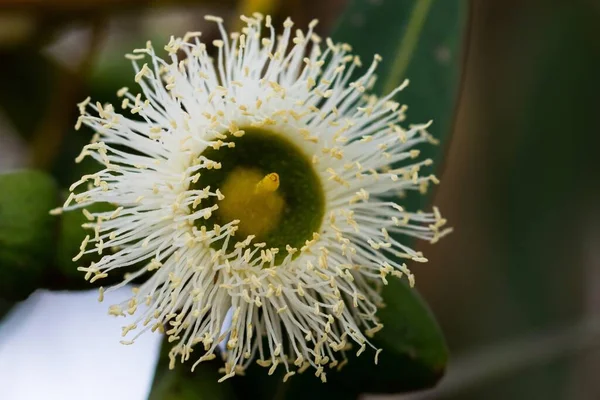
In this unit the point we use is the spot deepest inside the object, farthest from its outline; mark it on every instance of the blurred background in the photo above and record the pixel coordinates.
(516, 287)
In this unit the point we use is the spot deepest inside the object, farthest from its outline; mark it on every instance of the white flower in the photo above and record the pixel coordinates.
(258, 184)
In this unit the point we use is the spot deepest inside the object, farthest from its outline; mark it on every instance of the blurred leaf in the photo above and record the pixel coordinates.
(308, 386)
(33, 84)
(109, 73)
(182, 384)
(63, 274)
(414, 352)
(48, 144)
(26, 231)
(26, 86)
(414, 356)
(5, 307)
(418, 40)
(70, 234)
(258, 384)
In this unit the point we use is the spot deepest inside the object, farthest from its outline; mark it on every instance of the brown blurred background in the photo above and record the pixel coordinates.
(516, 287)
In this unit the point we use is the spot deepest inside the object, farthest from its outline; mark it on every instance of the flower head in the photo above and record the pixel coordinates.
(254, 193)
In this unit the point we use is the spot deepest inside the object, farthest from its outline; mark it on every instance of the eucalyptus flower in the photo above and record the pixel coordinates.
(254, 192)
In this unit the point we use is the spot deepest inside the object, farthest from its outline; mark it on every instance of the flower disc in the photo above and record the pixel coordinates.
(256, 154)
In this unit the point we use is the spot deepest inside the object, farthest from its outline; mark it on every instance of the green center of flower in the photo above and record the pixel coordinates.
(260, 206)
(270, 186)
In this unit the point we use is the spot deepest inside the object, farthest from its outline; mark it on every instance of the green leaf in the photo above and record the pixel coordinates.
(5, 307)
(182, 384)
(418, 40)
(414, 356)
(258, 384)
(26, 88)
(414, 352)
(70, 234)
(26, 231)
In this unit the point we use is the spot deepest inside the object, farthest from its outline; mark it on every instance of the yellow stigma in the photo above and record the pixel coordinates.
(269, 183)
(252, 198)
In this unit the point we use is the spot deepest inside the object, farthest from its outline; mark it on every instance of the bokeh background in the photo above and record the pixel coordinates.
(516, 287)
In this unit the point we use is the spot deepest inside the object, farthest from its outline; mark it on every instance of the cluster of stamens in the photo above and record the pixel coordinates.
(212, 281)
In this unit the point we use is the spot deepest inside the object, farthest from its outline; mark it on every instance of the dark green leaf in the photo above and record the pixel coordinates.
(414, 357)
(257, 384)
(182, 384)
(26, 87)
(70, 234)
(26, 231)
(414, 352)
(5, 307)
(110, 73)
(418, 40)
